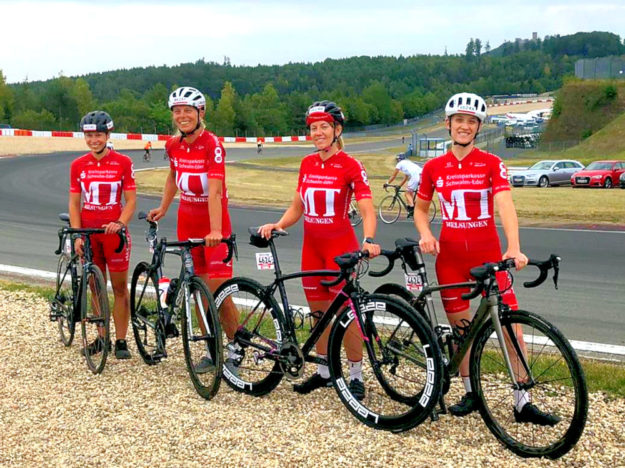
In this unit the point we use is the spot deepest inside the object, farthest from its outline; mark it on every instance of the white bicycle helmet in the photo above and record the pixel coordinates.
(187, 96)
(466, 103)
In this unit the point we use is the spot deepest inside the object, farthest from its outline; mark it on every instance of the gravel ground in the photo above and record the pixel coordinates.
(54, 412)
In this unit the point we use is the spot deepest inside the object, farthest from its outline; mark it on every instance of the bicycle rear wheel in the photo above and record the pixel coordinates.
(147, 326)
(355, 218)
(389, 209)
(62, 306)
(252, 327)
(95, 320)
(432, 211)
(201, 339)
(403, 373)
(557, 385)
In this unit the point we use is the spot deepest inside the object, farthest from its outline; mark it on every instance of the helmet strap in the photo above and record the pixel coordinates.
(184, 135)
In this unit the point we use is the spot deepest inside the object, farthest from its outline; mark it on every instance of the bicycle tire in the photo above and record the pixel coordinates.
(258, 333)
(355, 218)
(397, 290)
(202, 338)
(145, 316)
(389, 209)
(63, 301)
(403, 380)
(95, 319)
(432, 211)
(559, 378)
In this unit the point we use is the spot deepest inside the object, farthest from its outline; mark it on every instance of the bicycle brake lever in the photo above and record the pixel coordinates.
(555, 261)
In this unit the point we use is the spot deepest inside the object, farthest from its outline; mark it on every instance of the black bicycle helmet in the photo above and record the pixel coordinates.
(96, 121)
(324, 111)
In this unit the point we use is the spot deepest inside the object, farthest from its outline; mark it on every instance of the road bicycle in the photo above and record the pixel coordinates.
(391, 206)
(272, 341)
(154, 312)
(509, 350)
(147, 157)
(354, 213)
(80, 295)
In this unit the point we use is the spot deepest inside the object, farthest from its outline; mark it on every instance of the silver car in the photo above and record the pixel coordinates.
(546, 173)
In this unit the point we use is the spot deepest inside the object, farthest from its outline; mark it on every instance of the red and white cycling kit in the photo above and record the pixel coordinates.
(326, 188)
(468, 235)
(193, 165)
(101, 183)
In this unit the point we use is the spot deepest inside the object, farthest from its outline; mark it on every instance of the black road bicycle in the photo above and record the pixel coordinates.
(81, 296)
(402, 377)
(509, 350)
(154, 313)
(391, 206)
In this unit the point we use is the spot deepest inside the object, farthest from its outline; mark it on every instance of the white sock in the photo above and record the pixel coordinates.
(355, 370)
(323, 369)
(521, 397)
(467, 384)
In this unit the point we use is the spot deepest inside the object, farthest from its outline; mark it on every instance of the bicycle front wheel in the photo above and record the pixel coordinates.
(401, 364)
(355, 218)
(62, 306)
(252, 327)
(201, 339)
(432, 211)
(144, 314)
(389, 209)
(555, 384)
(95, 320)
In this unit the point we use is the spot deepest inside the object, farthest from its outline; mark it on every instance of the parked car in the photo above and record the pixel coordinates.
(599, 174)
(546, 173)
(622, 180)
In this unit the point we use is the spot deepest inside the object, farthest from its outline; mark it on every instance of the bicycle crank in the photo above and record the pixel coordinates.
(291, 361)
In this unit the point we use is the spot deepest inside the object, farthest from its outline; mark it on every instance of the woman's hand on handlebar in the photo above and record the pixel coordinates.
(372, 249)
(78, 246)
(265, 229)
(112, 227)
(156, 214)
(520, 259)
(213, 238)
(429, 244)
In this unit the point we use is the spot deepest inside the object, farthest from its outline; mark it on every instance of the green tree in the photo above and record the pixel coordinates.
(224, 113)
(271, 113)
(33, 120)
(6, 100)
(81, 93)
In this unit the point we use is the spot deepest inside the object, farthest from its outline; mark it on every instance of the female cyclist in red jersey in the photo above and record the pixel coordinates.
(99, 178)
(327, 180)
(197, 169)
(470, 183)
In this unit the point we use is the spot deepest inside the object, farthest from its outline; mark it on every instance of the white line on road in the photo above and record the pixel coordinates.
(577, 345)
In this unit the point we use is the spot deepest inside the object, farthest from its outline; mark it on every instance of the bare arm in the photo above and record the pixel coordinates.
(369, 225)
(392, 177)
(507, 213)
(169, 192)
(289, 218)
(428, 243)
(130, 197)
(215, 193)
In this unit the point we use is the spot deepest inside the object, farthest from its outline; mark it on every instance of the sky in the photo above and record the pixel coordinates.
(42, 39)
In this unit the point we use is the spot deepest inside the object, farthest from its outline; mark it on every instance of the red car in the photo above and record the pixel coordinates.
(599, 174)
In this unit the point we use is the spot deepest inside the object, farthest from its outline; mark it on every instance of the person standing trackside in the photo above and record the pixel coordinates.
(412, 175)
(327, 180)
(99, 178)
(470, 183)
(197, 169)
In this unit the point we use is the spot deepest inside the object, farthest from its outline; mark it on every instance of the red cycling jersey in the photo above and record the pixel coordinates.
(468, 235)
(326, 188)
(193, 165)
(101, 184)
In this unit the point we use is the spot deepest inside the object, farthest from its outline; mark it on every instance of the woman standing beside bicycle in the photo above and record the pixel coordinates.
(99, 178)
(327, 180)
(470, 183)
(197, 169)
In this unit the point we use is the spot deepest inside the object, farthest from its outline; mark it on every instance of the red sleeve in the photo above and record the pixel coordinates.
(300, 177)
(74, 177)
(499, 175)
(168, 146)
(357, 178)
(426, 186)
(128, 176)
(216, 160)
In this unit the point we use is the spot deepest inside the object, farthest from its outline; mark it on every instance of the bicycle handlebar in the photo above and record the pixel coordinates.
(87, 232)
(346, 262)
(391, 256)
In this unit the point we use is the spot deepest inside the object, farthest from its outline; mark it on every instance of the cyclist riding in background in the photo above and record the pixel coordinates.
(470, 183)
(147, 148)
(327, 180)
(97, 180)
(197, 169)
(412, 175)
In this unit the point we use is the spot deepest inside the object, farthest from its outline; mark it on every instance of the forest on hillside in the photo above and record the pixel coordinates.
(270, 100)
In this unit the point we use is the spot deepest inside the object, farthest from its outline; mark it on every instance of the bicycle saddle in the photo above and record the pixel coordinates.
(258, 241)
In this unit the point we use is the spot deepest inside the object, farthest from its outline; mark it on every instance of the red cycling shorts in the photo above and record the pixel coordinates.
(318, 254)
(453, 265)
(103, 248)
(206, 260)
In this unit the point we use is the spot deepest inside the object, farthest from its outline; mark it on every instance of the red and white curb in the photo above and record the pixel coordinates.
(147, 136)
(577, 345)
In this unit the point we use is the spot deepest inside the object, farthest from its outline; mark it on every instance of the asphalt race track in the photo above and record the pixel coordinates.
(589, 306)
